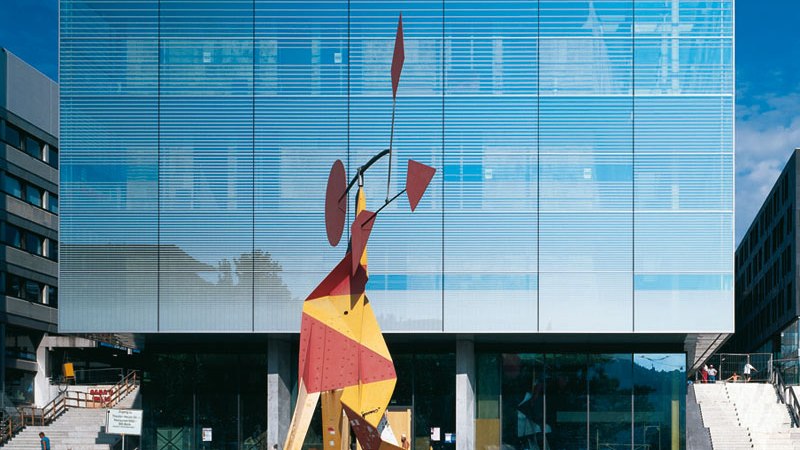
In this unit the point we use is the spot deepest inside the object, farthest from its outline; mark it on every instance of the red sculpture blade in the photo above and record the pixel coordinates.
(399, 56)
(359, 233)
(335, 203)
(418, 178)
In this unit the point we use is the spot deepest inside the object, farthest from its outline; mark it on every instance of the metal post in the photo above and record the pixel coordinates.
(391, 138)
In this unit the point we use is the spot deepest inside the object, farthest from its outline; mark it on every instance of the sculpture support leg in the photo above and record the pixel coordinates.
(332, 433)
(303, 412)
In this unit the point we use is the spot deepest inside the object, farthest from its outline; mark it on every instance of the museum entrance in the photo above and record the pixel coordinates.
(208, 401)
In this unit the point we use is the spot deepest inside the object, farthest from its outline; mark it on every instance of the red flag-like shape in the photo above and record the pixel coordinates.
(418, 178)
(399, 56)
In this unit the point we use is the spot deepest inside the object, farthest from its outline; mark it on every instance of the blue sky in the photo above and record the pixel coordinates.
(767, 83)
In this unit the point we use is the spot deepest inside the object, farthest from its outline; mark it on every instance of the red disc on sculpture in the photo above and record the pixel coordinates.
(336, 203)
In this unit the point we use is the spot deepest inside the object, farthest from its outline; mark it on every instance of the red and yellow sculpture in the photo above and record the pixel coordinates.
(344, 360)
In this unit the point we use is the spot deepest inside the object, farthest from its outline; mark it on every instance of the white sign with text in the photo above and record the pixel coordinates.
(124, 421)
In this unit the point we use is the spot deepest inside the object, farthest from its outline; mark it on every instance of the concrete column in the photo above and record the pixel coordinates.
(41, 382)
(279, 400)
(465, 394)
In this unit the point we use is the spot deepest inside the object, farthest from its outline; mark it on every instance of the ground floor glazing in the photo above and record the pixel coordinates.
(447, 397)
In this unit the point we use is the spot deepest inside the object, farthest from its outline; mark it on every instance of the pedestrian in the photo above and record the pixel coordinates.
(747, 368)
(44, 440)
(733, 378)
(712, 374)
(704, 373)
(404, 442)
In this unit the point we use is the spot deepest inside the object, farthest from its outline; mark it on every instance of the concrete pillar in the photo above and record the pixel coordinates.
(279, 399)
(465, 394)
(41, 382)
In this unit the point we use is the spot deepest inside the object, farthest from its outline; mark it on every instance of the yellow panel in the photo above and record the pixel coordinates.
(69, 370)
(332, 420)
(370, 400)
(487, 434)
(361, 205)
(400, 421)
(330, 311)
(371, 336)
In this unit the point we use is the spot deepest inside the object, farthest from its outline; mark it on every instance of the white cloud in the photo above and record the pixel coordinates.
(766, 134)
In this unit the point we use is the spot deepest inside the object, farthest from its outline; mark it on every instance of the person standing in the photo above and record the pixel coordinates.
(747, 368)
(44, 441)
(712, 374)
(704, 373)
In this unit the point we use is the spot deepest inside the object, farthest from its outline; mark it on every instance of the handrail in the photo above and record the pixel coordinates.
(10, 426)
(30, 415)
(792, 403)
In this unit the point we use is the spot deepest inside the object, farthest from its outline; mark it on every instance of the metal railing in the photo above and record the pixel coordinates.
(788, 397)
(31, 415)
(10, 426)
(729, 363)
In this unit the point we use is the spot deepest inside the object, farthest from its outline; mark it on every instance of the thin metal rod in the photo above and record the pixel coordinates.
(390, 201)
(363, 169)
(391, 138)
(374, 215)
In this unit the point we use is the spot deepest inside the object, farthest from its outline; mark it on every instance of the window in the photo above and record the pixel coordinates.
(52, 296)
(13, 286)
(33, 147)
(12, 186)
(30, 242)
(13, 236)
(52, 203)
(52, 156)
(33, 243)
(19, 287)
(33, 195)
(13, 136)
(52, 249)
(33, 291)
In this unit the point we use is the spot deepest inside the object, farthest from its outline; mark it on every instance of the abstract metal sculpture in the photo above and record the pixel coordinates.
(343, 358)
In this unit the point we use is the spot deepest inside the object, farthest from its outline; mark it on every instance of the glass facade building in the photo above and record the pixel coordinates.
(584, 185)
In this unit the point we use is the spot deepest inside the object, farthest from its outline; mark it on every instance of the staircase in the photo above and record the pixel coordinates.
(74, 420)
(746, 416)
(76, 429)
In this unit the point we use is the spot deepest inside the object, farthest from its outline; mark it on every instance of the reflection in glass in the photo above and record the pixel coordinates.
(434, 398)
(659, 400)
(565, 401)
(523, 389)
(610, 401)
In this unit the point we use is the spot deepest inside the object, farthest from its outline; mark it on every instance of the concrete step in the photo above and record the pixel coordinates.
(76, 429)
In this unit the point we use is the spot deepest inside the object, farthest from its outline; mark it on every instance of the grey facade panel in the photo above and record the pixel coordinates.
(30, 310)
(30, 94)
(43, 175)
(39, 216)
(32, 262)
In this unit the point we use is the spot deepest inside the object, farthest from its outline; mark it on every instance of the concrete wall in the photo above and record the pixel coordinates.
(28, 93)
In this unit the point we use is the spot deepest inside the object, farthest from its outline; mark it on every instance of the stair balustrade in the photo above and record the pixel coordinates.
(31, 415)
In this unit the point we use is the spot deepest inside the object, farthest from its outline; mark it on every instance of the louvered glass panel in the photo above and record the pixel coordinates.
(301, 129)
(206, 166)
(586, 221)
(490, 166)
(400, 243)
(109, 172)
(683, 166)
